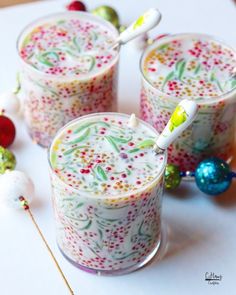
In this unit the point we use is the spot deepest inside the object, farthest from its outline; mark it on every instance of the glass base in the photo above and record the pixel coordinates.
(157, 253)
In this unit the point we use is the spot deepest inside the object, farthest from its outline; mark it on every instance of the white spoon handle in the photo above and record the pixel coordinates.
(181, 118)
(144, 23)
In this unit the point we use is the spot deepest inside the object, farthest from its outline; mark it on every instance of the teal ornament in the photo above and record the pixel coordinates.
(108, 13)
(213, 176)
(172, 176)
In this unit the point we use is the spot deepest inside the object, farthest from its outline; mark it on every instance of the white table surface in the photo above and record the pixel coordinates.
(202, 235)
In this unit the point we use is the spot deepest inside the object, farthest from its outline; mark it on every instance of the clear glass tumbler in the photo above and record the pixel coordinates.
(50, 101)
(213, 131)
(105, 234)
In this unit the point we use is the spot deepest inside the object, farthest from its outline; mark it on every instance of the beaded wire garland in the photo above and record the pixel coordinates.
(16, 187)
(212, 176)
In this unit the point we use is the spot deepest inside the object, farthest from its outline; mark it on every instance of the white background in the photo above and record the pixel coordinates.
(202, 230)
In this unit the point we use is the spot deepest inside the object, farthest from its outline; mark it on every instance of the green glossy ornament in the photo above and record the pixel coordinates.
(107, 13)
(7, 160)
(172, 176)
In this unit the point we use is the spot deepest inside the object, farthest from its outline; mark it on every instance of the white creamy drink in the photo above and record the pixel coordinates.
(107, 187)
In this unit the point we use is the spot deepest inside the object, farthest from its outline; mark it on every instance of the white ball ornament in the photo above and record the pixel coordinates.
(13, 185)
(9, 103)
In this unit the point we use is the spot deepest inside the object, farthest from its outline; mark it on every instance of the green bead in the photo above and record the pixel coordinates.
(7, 160)
(107, 13)
(172, 176)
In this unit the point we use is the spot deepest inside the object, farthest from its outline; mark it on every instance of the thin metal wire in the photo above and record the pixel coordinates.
(50, 251)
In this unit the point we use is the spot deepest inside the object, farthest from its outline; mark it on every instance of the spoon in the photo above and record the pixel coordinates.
(181, 118)
(144, 23)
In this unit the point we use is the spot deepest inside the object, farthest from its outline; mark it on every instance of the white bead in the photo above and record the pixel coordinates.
(15, 184)
(9, 102)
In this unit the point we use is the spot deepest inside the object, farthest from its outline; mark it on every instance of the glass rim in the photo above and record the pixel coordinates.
(104, 196)
(78, 14)
(208, 101)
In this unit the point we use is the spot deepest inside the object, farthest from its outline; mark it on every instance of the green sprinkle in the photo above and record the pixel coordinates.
(86, 226)
(120, 139)
(18, 84)
(218, 84)
(81, 138)
(92, 61)
(101, 175)
(75, 42)
(60, 22)
(46, 88)
(79, 205)
(149, 166)
(128, 171)
(68, 199)
(168, 78)
(100, 234)
(181, 68)
(68, 51)
(125, 256)
(112, 143)
(53, 159)
(140, 233)
(43, 58)
(70, 151)
(26, 41)
(94, 35)
(163, 46)
(197, 70)
(146, 143)
(106, 219)
(214, 79)
(177, 65)
(82, 127)
(233, 83)
(134, 150)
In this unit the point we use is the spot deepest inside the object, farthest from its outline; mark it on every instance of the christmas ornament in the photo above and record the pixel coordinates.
(7, 160)
(172, 176)
(16, 188)
(108, 13)
(213, 176)
(9, 103)
(77, 6)
(7, 131)
(13, 185)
